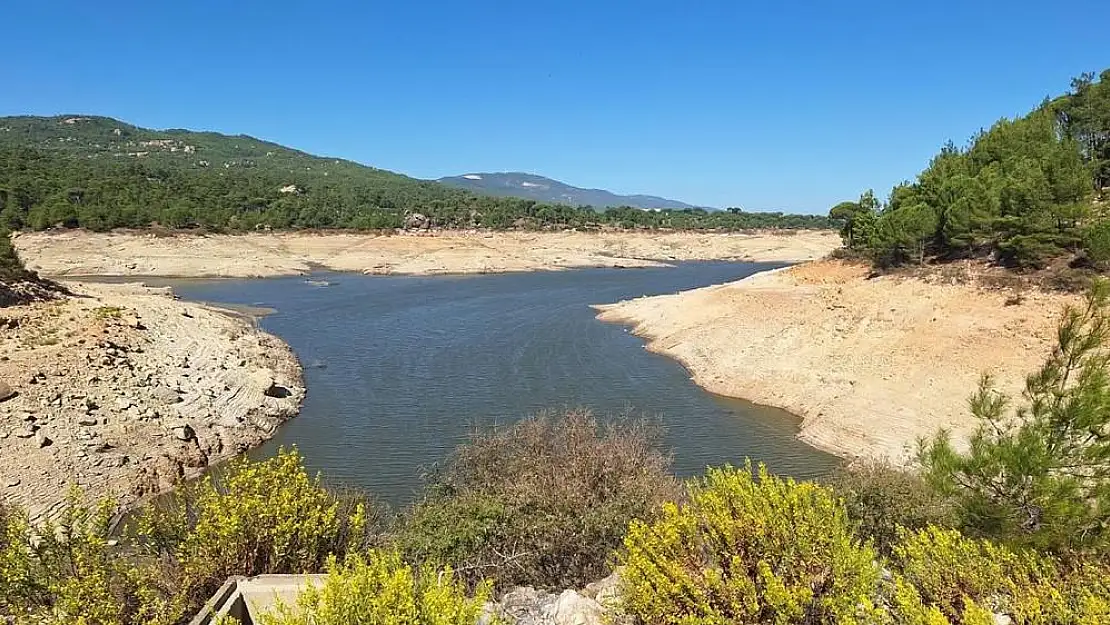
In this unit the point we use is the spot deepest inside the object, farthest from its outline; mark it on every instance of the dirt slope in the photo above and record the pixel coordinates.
(870, 364)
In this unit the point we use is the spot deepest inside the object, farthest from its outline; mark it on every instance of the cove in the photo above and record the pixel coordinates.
(401, 369)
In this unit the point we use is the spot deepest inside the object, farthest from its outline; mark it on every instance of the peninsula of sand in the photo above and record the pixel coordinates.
(871, 364)
(123, 390)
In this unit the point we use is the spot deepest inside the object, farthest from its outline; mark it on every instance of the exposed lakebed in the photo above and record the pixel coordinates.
(400, 369)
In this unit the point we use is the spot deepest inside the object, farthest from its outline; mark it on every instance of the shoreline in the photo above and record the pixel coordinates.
(869, 365)
(72, 254)
(125, 391)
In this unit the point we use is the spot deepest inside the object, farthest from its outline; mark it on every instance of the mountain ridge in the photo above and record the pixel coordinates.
(544, 189)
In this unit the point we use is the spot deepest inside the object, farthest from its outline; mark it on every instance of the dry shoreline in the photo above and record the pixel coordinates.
(123, 391)
(136, 254)
(870, 365)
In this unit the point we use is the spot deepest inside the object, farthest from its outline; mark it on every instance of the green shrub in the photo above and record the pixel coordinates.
(941, 572)
(1037, 474)
(749, 549)
(1096, 242)
(881, 499)
(380, 588)
(543, 502)
(68, 571)
(258, 517)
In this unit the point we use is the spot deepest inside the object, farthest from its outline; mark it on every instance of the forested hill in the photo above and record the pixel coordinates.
(1027, 192)
(541, 189)
(100, 173)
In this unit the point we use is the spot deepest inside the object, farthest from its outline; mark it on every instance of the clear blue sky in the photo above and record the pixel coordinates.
(790, 105)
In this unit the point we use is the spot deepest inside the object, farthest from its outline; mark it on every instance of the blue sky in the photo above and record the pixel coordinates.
(790, 106)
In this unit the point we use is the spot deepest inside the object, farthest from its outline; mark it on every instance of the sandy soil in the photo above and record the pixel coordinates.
(870, 364)
(76, 253)
(123, 391)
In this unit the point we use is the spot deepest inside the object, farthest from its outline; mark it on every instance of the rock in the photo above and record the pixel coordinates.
(606, 592)
(26, 431)
(572, 608)
(6, 392)
(87, 421)
(1001, 619)
(278, 391)
(12, 482)
(183, 431)
(43, 440)
(166, 395)
(416, 220)
(123, 403)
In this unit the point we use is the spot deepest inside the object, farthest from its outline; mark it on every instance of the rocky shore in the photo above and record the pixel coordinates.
(870, 363)
(79, 253)
(123, 391)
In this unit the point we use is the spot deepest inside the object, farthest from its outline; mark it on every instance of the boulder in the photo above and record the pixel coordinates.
(183, 431)
(572, 608)
(42, 439)
(416, 221)
(606, 592)
(6, 391)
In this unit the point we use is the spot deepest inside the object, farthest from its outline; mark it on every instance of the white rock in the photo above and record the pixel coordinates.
(573, 609)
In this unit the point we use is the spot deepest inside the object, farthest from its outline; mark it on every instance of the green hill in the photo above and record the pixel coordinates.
(101, 173)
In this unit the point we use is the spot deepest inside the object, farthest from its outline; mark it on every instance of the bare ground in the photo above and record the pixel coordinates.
(78, 253)
(871, 364)
(124, 391)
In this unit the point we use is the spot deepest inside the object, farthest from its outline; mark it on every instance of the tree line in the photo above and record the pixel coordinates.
(100, 174)
(1023, 192)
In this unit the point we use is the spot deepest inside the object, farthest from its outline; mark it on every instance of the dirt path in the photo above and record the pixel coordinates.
(77, 253)
(870, 364)
(123, 390)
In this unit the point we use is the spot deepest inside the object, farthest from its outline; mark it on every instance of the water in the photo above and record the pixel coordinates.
(401, 369)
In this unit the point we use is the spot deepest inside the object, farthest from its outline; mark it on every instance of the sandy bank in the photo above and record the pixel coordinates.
(123, 391)
(870, 365)
(77, 253)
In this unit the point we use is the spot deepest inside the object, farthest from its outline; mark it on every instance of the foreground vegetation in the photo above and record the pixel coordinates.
(100, 173)
(1024, 192)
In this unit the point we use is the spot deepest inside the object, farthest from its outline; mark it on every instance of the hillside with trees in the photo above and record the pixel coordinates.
(100, 173)
(1024, 192)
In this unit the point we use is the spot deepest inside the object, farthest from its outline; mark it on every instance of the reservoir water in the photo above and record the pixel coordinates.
(401, 369)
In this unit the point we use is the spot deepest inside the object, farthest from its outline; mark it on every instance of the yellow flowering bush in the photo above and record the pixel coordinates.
(258, 517)
(749, 549)
(945, 578)
(381, 588)
(69, 571)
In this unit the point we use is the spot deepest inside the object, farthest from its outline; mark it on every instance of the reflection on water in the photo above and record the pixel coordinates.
(400, 369)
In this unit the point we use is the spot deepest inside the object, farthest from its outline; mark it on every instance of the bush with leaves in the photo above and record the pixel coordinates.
(749, 549)
(68, 571)
(1039, 475)
(255, 517)
(381, 588)
(543, 502)
(882, 499)
(943, 577)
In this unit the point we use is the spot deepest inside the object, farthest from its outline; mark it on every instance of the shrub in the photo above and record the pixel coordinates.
(1096, 242)
(259, 517)
(543, 502)
(880, 499)
(69, 572)
(1038, 475)
(941, 572)
(380, 588)
(749, 549)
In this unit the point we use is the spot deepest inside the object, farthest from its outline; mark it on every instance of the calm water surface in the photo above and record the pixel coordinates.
(400, 369)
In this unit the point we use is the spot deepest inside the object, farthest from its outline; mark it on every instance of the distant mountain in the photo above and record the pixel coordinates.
(533, 187)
